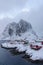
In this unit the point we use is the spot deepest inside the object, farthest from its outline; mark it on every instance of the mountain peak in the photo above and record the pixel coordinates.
(18, 28)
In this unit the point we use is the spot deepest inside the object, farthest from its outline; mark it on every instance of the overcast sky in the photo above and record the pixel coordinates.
(12, 8)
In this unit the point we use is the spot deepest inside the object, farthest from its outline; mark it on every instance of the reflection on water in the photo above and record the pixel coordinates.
(13, 57)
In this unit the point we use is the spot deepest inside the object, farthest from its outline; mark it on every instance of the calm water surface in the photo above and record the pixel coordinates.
(8, 58)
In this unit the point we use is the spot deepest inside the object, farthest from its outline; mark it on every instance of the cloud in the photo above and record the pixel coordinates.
(25, 10)
(11, 8)
(7, 5)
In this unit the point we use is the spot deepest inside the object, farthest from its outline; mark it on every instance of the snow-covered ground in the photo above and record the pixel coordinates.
(34, 54)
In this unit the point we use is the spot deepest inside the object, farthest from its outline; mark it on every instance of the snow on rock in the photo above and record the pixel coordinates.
(21, 48)
(8, 45)
(34, 54)
(17, 28)
(37, 55)
(21, 30)
(10, 29)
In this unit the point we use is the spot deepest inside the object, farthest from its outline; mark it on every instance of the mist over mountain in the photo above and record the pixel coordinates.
(11, 26)
(17, 28)
(34, 17)
(21, 30)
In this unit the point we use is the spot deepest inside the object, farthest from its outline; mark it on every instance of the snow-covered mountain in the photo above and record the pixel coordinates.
(20, 30)
(17, 28)
(33, 16)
